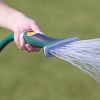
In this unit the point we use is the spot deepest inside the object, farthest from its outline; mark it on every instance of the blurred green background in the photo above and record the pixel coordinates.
(32, 76)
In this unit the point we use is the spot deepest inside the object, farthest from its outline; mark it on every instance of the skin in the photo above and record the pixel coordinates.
(17, 22)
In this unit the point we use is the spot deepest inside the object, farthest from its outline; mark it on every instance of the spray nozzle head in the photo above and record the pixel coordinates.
(56, 44)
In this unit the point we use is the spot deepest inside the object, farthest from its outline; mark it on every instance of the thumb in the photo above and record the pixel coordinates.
(36, 28)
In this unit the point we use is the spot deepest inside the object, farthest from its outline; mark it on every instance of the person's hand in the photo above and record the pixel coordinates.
(20, 23)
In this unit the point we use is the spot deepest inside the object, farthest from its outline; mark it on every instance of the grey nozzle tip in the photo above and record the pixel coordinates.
(56, 44)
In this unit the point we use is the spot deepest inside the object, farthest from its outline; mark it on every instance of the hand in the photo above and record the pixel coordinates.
(20, 23)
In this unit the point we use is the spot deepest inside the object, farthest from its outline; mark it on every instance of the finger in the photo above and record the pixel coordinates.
(16, 39)
(22, 44)
(32, 49)
(35, 27)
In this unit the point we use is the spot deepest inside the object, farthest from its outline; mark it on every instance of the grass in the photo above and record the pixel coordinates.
(31, 76)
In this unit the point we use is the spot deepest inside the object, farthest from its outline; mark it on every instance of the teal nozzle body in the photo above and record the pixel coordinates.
(45, 42)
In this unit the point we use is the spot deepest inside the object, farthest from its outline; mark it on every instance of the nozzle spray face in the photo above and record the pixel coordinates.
(56, 44)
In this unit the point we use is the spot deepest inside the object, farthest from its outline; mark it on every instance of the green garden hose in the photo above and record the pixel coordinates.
(6, 41)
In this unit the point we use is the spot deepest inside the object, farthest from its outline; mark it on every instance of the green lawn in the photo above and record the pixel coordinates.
(32, 76)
